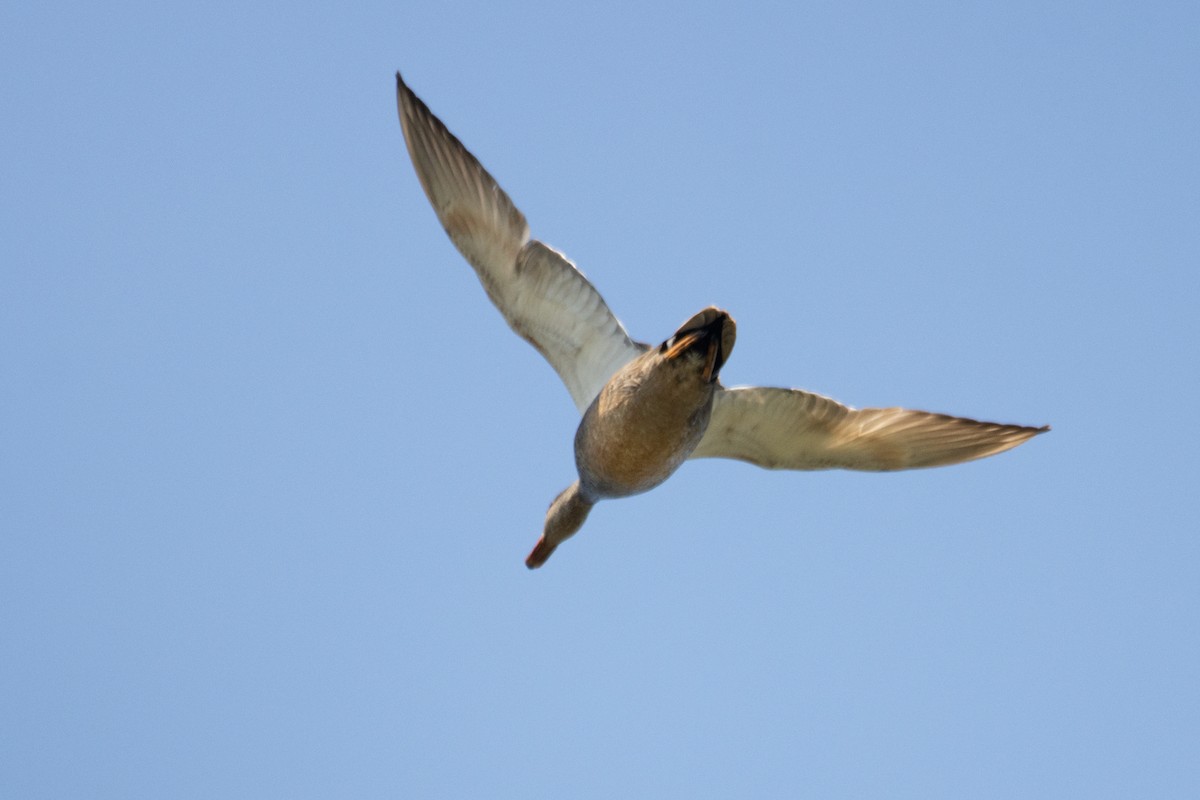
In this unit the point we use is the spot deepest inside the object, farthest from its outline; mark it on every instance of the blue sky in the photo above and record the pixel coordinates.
(271, 462)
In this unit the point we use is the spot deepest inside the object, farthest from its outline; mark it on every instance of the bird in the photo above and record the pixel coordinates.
(647, 409)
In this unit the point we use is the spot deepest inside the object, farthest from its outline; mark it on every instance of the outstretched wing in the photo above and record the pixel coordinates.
(794, 429)
(542, 295)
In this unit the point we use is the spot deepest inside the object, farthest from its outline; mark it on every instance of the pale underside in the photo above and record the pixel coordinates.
(552, 305)
(542, 295)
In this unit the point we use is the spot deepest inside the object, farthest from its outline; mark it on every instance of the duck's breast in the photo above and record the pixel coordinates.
(640, 428)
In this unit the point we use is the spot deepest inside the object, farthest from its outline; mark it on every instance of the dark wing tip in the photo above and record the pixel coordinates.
(415, 107)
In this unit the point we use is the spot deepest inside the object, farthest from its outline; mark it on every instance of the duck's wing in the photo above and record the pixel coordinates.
(538, 290)
(794, 429)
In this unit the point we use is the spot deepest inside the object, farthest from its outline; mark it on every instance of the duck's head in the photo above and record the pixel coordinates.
(709, 335)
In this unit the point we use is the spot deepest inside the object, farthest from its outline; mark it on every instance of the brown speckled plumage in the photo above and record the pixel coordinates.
(646, 411)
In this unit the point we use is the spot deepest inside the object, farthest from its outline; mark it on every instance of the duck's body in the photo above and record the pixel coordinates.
(647, 410)
(646, 421)
(637, 433)
(654, 411)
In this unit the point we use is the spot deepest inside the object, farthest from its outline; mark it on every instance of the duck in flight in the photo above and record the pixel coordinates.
(648, 409)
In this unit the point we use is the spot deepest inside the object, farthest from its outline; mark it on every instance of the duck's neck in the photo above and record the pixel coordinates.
(565, 516)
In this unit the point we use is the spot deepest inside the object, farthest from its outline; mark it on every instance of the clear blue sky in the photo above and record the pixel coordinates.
(271, 462)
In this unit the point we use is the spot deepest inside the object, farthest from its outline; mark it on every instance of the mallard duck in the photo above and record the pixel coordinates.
(647, 409)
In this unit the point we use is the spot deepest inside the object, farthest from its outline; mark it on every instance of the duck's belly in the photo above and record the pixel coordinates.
(620, 455)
